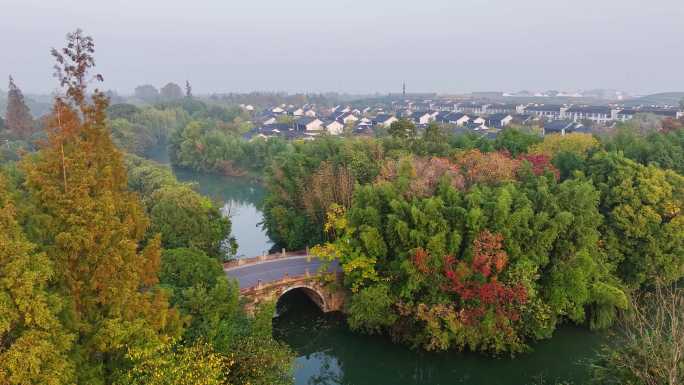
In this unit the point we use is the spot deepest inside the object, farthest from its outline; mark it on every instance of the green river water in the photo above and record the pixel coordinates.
(329, 354)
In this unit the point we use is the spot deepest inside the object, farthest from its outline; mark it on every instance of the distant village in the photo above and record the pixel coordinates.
(308, 121)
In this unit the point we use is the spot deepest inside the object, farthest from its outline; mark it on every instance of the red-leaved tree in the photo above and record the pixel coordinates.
(540, 164)
(477, 283)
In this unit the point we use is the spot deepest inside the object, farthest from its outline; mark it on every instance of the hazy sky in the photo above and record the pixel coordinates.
(355, 46)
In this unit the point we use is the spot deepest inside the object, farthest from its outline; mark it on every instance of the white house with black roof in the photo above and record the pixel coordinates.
(339, 110)
(477, 120)
(476, 126)
(547, 111)
(441, 116)
(366, 121)
(308, 123)
(503, 108)
(334, 127)
(472, 107)
(422, 117)
(448, 106)
(523, 118)
(269, 131)
(449, 117)
(295, 111)
(561, 127)
(500, 120)
(457, 118)
(347, 117)
(384, 120)
(362, 125)
(598, 114)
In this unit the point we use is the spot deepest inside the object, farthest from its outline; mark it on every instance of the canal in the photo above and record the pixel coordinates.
(240, 199)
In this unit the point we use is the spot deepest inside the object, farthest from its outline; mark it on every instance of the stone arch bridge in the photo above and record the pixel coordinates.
(269, 277)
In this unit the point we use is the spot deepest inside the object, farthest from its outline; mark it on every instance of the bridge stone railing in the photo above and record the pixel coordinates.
(263, 258)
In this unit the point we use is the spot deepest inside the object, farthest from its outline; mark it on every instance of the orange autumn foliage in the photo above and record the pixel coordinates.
(90, 225)
(487, 168)
(426, 173)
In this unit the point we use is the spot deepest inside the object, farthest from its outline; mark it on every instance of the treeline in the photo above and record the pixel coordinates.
(134, 129)
(207, 147)
(112, 274)
(138, 129)
(294, 169)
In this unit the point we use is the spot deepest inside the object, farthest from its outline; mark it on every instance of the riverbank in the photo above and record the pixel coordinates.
(240, 199)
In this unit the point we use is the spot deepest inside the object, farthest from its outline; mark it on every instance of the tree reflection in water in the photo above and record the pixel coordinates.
(330, 354)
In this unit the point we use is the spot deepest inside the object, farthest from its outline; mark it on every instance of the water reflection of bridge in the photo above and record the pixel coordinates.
(268, 277)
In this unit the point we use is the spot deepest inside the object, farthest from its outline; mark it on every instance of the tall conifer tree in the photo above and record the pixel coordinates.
(188, 90)
(18, 119)
(92, 227)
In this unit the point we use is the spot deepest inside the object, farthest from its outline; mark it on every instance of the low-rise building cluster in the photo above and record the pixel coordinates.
(309, 121)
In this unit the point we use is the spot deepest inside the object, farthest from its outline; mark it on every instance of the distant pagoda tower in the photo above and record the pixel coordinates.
(403, 89)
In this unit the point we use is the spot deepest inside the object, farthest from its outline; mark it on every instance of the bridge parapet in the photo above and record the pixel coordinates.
(264, 258)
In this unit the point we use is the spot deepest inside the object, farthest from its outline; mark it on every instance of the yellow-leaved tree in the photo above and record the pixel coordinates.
(33, 344)
(577, 143)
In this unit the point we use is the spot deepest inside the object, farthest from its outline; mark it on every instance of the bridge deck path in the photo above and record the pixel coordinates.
(274, 270)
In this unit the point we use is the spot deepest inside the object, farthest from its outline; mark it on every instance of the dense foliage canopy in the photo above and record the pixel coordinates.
(99, 286)
(472, 248)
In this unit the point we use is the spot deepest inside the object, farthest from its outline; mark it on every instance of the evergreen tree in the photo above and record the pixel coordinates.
(184, 218)
(402, 129)
(33, 343)
(147, 93)
(643, 229)
(188, 89)
(171, 92)
(91, 226)
(18, 118)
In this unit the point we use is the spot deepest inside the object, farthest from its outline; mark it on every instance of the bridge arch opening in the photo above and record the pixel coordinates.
(309, 293)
